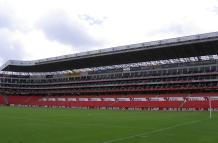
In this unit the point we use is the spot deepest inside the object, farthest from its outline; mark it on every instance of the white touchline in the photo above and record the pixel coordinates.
(146, 134)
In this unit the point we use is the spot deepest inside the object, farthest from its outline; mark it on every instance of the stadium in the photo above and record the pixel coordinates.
(178, 74)
(173, 74)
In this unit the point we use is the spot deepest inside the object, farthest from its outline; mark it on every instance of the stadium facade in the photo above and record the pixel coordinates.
(172, 74)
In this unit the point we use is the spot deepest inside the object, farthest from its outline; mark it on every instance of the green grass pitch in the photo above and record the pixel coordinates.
(47, 125)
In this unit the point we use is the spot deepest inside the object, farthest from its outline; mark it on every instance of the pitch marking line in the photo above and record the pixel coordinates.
(146, 134)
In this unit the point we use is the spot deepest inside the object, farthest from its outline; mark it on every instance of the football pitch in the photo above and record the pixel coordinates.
(47, 125)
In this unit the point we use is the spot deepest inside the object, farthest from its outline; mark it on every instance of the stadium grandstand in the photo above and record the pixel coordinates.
(171, 74)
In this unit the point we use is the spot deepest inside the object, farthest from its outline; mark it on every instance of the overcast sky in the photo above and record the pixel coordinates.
(35, 29)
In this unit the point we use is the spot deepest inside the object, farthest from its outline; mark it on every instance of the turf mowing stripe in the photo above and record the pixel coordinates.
(146, 134)
(67, 123)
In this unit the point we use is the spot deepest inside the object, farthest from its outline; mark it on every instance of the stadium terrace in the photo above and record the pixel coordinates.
(171, 74)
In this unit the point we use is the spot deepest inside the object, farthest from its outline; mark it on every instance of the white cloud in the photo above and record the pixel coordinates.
(37, 46)
(82, 24)
(59, 27)
(10, 46)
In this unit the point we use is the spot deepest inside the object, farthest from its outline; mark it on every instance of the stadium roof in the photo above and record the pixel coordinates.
(182, 47)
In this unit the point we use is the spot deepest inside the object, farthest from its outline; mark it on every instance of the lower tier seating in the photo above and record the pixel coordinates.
(1, 100)
(198, 101)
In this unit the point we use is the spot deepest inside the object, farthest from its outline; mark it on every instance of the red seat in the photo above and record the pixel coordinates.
(43, 101)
